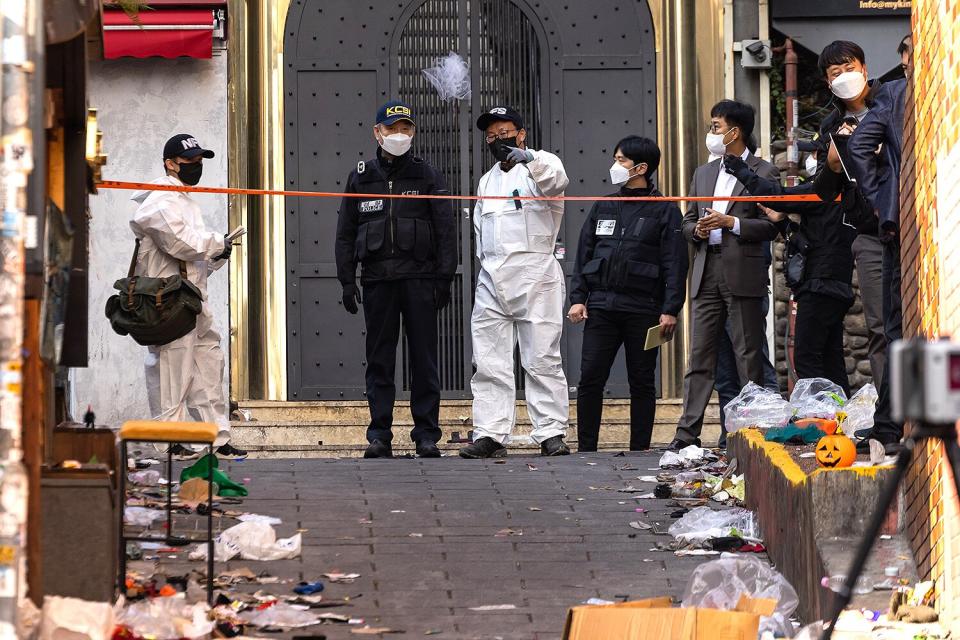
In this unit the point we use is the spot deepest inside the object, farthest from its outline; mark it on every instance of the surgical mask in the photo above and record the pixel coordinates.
(190, 172)
(715, 143)
(396, 144)
(848, 85)
(810, 164)
(500, 148)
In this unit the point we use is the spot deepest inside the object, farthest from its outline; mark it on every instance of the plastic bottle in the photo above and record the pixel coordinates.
(834, 583)
(891, 581)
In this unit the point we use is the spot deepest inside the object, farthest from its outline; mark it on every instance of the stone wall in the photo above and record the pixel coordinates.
(855, 333)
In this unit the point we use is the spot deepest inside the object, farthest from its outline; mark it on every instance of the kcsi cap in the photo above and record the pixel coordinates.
(393, 111)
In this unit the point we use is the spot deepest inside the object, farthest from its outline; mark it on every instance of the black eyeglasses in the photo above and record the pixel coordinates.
(503, 135)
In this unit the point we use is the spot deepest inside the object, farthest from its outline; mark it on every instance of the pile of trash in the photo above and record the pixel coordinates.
(705, 475)
(761, 408)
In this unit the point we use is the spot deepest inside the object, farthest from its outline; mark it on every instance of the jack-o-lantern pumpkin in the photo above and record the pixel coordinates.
(834, 452)
(829, 427)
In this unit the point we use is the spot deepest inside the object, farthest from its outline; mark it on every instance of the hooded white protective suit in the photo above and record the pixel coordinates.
(185, 376)
(520, 297)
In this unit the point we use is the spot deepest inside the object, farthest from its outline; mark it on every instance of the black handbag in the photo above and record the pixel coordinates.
(154, 311)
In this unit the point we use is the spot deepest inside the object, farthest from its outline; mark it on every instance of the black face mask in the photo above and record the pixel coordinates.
(190, 173)
(500, 148)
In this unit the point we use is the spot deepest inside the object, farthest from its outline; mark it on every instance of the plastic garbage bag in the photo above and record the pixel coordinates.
(450, 77)
(817, 398)
(200, 469)
(860, 409)
(720, 583)
(165, 618)
(148, 478)
(253, 540)
(280, 614)
(687, 457)
(75, 618)
(757, 407)
(142, 516)
(702, 523)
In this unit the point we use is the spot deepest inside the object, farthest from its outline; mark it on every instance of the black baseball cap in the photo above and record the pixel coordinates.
(499, 114)
(184, 145)
(393, 111)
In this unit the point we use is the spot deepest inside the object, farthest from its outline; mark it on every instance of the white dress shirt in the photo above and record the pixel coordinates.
(723, 189)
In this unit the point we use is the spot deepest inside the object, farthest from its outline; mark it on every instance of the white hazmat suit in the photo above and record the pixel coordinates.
(520, 298)
(186, 376)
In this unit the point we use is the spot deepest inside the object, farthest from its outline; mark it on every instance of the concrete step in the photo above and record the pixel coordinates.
(311, 430)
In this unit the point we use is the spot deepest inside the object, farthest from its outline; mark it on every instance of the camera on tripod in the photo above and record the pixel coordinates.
(925, 381)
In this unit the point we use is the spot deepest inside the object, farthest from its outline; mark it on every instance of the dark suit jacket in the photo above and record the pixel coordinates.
(878, 176)
(744, 263)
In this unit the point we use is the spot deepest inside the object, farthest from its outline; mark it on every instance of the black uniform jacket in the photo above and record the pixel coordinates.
(395, 239)
(632, 257)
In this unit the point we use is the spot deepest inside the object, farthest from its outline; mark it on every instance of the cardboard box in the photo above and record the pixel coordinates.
(656, 619)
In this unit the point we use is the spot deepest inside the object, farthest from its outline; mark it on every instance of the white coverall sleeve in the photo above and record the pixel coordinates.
(172, 235)
(477, 228)
(547, 171)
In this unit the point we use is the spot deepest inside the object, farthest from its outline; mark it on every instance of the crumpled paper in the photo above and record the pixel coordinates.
(72, 618)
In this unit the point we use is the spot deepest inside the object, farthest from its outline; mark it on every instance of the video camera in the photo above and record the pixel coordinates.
(925, 381)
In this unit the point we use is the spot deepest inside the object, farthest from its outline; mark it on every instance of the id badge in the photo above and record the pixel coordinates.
(606, 227)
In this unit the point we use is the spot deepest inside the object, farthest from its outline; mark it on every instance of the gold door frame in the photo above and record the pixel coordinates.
(689, 36)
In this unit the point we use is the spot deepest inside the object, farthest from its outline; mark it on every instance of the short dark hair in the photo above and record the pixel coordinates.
(840, 52)
(904, 47)
(736, 114)
(640, 150)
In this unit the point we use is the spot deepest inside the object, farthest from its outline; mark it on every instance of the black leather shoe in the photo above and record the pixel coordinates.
(427, 449)
(230, 451)
(890, 447)
(484, 448)
(863, 434)
(554, 446)
(679, 444)
(378, 449)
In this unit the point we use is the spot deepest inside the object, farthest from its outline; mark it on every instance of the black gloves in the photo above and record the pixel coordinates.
(351, 298)
(227, 250)
(441, 294)
(734, 165)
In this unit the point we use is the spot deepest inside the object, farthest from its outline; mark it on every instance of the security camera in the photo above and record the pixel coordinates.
(755, 54)
(757, 50)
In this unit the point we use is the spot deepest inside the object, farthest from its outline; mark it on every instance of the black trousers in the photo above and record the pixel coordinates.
(384, 303)
(885, 428)
(603, 334)
(819, 338)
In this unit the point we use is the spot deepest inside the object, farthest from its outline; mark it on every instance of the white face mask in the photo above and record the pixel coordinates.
(848, 85)
(715, 143)
(810, 164)
(396, 144)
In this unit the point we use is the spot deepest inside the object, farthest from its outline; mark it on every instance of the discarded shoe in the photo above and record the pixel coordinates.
(230, 451)
(182, 453)
(427, 449)
(554, 446)
(378, 449)
(484, 448)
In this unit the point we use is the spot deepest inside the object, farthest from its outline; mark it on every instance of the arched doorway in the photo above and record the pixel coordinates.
(582, 74)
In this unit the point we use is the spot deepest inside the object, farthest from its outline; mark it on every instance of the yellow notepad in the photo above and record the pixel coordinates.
(655, 338)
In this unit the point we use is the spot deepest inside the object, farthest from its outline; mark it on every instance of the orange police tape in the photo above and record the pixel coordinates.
(147, 186)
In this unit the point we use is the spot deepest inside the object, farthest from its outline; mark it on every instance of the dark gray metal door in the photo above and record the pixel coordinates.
(582, 74)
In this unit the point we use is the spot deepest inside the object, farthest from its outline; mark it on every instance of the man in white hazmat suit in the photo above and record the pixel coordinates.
(184, 377)
(520, 293)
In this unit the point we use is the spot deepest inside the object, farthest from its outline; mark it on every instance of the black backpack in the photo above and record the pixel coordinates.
(154, 311)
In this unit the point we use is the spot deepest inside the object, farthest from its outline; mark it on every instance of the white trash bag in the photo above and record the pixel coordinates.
(252, 540)
(720, 583)
(704, 523)
(817, 398)
(451, 77)
(757, 407)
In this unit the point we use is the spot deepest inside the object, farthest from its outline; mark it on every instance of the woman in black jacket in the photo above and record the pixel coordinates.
(630, 275)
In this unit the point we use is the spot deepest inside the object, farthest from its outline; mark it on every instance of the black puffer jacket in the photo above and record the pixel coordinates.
(632, 257)
(395, 239)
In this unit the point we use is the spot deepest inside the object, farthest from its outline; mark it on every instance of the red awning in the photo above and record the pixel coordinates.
(167, 33)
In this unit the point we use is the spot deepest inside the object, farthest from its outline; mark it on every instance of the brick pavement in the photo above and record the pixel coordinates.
(579, 545)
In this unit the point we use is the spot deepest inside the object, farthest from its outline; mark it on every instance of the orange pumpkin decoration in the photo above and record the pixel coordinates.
(829, 427)
(837, 451)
